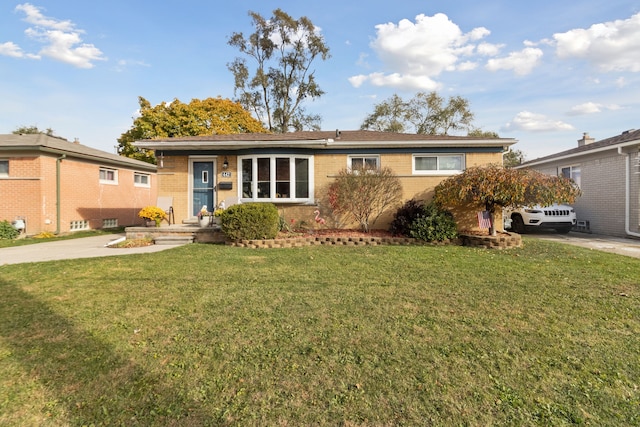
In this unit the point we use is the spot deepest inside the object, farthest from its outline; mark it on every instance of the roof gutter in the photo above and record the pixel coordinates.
(572, 155)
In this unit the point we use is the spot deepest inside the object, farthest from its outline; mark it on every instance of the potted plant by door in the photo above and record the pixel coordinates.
(152, 215)
(204, 217)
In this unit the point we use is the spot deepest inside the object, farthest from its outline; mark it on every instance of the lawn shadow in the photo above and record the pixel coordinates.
(90, 381)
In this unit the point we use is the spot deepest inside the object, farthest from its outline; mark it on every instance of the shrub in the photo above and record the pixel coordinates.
(364, 194)
(405, 216)
(7, 231)
(250, 221)
(435, 225)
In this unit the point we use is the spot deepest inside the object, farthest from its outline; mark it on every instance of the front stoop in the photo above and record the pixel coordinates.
(172, 240)
(173, 234)
(501, 241)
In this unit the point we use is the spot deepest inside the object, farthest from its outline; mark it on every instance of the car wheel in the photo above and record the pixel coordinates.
(563, 230)
(517, 224)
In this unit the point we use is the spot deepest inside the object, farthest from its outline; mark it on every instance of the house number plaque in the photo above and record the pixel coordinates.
(226, 174)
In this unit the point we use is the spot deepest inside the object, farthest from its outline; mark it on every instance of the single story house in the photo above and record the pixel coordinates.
(49, 184)
(608, 173)
(293, 170)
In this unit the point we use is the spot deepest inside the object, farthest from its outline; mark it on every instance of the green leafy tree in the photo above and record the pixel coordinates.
(364, 194)
(425, 113)
(479, 133)
(211, 116)
(283, 50)
(492, 187)
(512, 158)
(23, 130)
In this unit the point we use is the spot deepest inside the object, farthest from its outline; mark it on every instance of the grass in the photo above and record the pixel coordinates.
(7, 243)
(365, 336)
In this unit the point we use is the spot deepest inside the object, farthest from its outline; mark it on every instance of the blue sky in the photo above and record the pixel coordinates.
(542, 72)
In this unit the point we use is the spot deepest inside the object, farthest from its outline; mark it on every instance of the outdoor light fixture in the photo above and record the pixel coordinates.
(225, 164)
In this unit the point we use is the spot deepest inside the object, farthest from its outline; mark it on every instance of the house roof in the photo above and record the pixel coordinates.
(626, 138)
(59, 146)
(319, 140)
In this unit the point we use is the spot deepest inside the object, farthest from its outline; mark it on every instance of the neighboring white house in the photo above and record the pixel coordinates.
(608, 173)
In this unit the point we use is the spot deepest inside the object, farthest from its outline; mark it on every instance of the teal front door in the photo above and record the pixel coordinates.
(203, 186)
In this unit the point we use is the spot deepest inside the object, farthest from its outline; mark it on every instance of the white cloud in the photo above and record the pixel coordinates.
(61, 40)
(610, 46)
(591, 108)
(522, 63)
(531, 122)
(13, 50)
(489, 49)
(415, 52)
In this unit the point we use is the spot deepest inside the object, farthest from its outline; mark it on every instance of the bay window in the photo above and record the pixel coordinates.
(276, 178)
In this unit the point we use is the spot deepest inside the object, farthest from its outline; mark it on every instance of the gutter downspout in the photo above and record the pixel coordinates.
(627, 194)
(58, 197)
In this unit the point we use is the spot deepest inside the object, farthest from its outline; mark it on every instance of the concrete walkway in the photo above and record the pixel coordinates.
(617, 245)
(85, 247)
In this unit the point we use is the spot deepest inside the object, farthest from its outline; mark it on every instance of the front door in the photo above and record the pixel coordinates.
(203, 186)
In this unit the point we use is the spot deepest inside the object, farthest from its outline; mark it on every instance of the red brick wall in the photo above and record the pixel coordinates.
(30, 192)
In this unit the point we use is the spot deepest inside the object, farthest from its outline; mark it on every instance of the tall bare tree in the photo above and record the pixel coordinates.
(283, 50)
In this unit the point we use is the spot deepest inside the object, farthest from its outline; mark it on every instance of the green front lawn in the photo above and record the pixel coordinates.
(356, 336)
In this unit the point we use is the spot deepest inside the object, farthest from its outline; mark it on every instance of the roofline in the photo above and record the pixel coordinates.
(319, 144)
(581, 153)
(123, 162)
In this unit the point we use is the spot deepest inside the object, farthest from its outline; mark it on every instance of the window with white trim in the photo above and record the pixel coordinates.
(108, 176)
(571, 172)
(363, 162)
(278, 178)
(4, 168)
(141, 179)
(437, 164)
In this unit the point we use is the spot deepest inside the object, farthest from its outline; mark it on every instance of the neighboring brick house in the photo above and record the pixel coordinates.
(294, 169)
(58, 186)
(608, 173)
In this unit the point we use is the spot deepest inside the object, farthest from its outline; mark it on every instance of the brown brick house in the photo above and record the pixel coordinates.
(58, 186)
(292, 169)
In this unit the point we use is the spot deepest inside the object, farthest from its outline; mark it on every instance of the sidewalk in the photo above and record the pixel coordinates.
(617, 245)
(84, 247)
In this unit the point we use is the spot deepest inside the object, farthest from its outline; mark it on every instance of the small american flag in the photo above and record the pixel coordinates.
(484, 219)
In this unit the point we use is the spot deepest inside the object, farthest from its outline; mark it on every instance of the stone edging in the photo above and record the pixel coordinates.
(297, 242)
(501, 241)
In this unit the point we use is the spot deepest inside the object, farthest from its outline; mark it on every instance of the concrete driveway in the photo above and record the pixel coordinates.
(621, 246)
(85, 247)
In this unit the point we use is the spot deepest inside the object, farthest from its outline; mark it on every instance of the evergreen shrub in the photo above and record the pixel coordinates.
(248, 221)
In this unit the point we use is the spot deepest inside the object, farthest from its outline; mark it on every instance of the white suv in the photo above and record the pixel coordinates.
(559, 217)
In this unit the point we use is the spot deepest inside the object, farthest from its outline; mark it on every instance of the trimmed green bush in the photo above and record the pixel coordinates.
(435, 224)
(250, 221)
(7, 231)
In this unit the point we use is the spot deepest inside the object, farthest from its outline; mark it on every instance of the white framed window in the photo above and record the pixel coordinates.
(4, 168)
(141, 179)
(572, 172)
(276, 178)
(108, 176)
(438, 164)
(355, 162)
